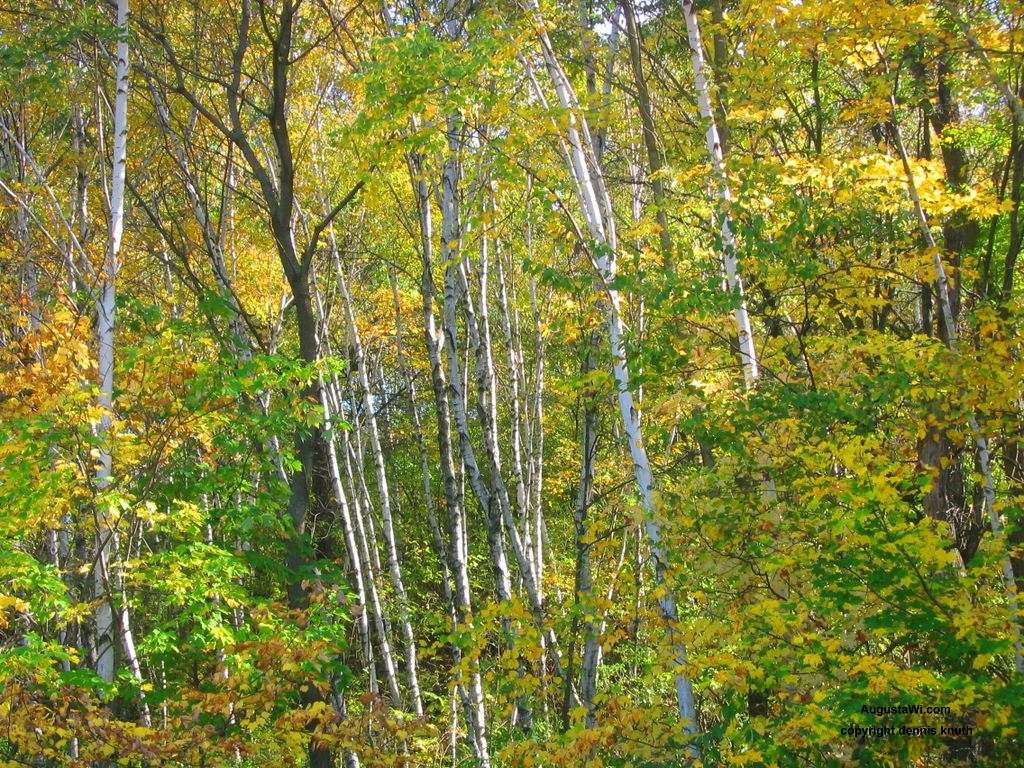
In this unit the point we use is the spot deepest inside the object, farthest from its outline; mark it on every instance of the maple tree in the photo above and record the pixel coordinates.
(511, 383)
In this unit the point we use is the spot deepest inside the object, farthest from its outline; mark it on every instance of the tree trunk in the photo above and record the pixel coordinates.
(734, 282)
(331, 406)
(584, 577)
(106, 306)
(655, 162)
(477, 719)
(593, 198)
(980, 441)
(384, 492)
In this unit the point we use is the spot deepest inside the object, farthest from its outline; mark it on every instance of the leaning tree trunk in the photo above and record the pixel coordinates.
(434, 340)
(952, 342)
(593, 198)
(387, 522)
(734, 282)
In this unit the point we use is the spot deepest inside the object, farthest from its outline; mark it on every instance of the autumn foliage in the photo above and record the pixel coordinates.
(511, 383)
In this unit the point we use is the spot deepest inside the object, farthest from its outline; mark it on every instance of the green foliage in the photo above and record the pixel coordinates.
(823, 525)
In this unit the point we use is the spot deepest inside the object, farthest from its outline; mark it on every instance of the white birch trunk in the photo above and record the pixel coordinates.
(730, 268)
(496, 497)
(733, 280)
(437, 540)
(352, 547)
(515, 376)
(593, 199)
(357, 459)
(106, 535)
(387, 523)
(366, 546)
(435, 340)
(952, 342)
(535, 427)
(459, 692)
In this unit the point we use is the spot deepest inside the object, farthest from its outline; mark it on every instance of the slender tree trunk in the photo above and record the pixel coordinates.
(213, 236)
(106, 305)
(748, 355)
(718, 61)
(593, 198)
(80, 208)
(523, 714)
(584, 577)
(515, 376)
(437, 540)
(536, 433)
(356, 562)
(947, 498)
(384, 492)
(494, 500)
(1013, 102)
(308, 491)
(655, 161)
(942, 292)
(366, 543)
(434, 340)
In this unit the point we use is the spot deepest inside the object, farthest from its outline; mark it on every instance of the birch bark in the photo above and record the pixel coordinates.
(383, 491)
(952, 342)
(734, 282)
(437, 540)
(593, 198)
(434, 340)
(493, 499)
(355, 558)
(106, 305)
(367, 546)
(515, 376)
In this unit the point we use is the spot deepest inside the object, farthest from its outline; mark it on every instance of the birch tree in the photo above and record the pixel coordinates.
(106, 306)
(951, 337)
(733, 280)
(593, 198)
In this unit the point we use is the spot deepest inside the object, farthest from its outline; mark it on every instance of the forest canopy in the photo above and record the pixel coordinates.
(499, 383)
